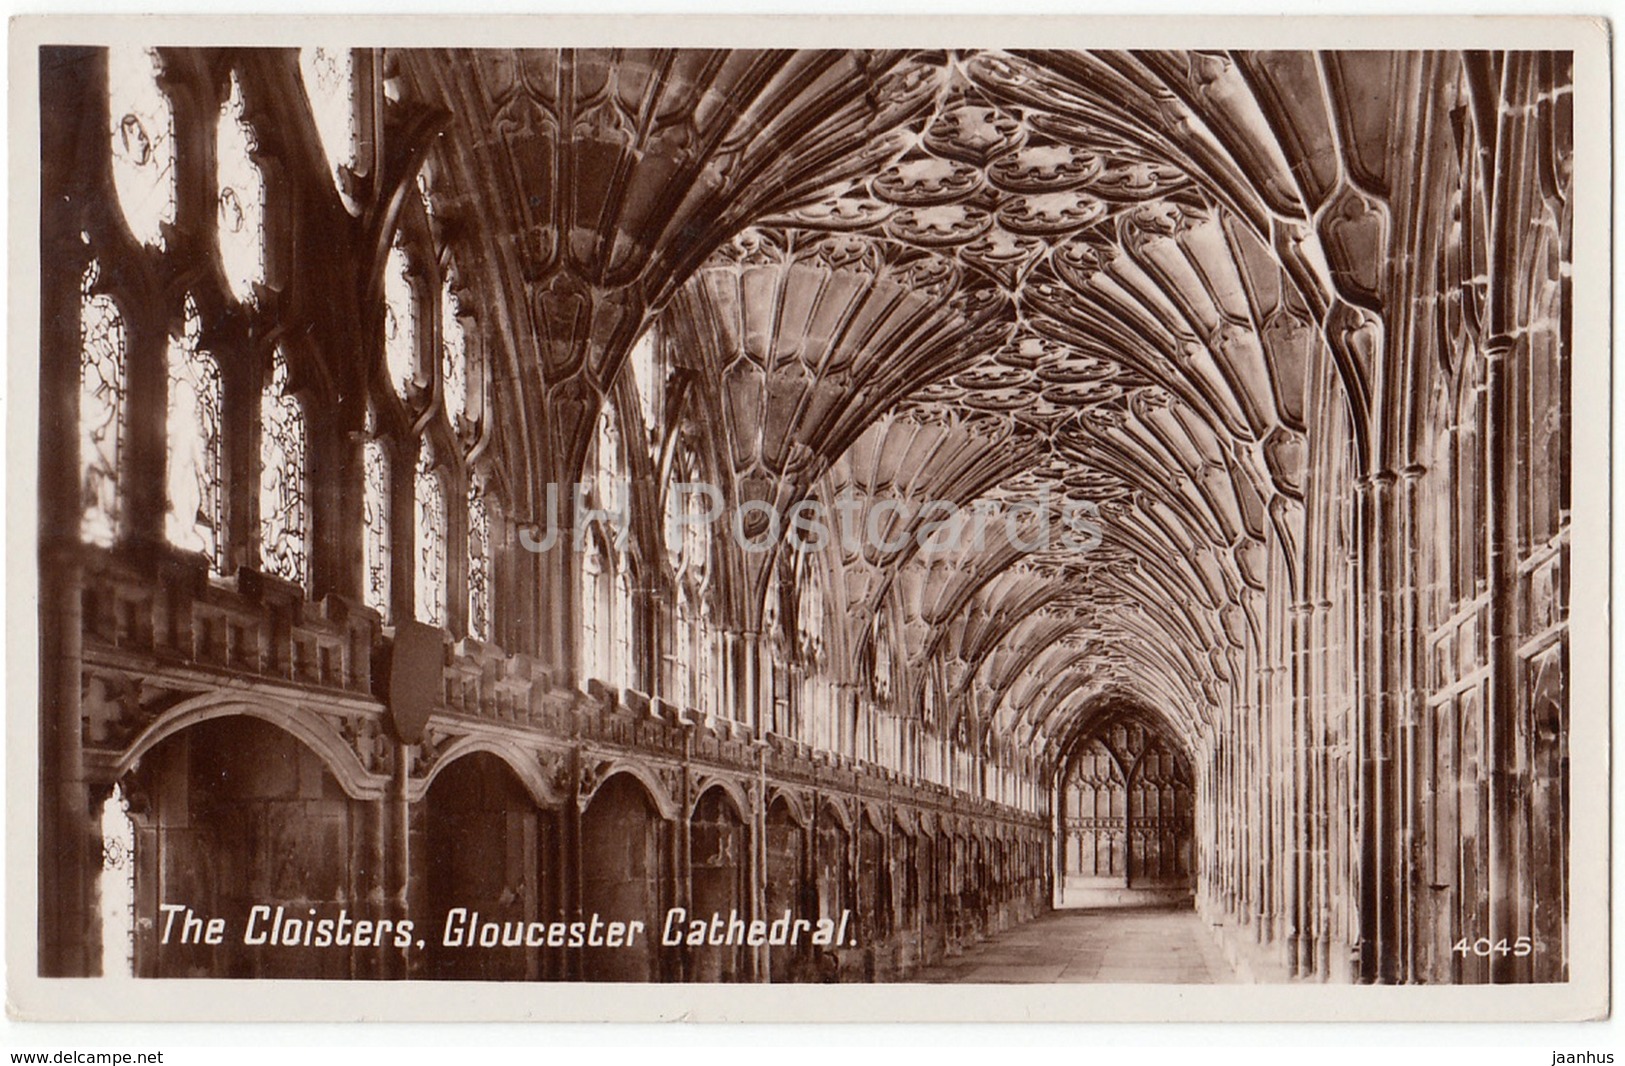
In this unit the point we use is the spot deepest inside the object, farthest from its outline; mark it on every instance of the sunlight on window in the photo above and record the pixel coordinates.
(116, 887)
(101, 410)
(454, 356)
(648, 377)
(194, 519)
(594, 622)
(431, 546)
(143, 134)
(282, 477)
(620, 665)
(479, 565)
(242, 199)
(329, 75)
(400, 321)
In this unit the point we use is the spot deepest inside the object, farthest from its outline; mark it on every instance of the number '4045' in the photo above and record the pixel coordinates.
(1484, 947)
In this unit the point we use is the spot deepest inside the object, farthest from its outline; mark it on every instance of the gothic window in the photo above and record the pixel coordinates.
(453, 357)
(431, 541)
(329, 75)
(479, 565)
(283, 516)
(375, 512)
(195, 520)
(400, 322)
(101, 410)
(143, 141)
(242, 199)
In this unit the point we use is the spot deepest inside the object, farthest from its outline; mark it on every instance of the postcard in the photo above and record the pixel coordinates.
(809, 518)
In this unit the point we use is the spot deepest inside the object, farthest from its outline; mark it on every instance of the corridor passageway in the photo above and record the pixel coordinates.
(1158, 944)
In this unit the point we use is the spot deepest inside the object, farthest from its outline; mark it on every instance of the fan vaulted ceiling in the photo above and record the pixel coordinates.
(983, 277)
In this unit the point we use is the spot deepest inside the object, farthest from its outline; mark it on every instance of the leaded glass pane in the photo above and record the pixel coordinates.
(479, 566)
(330, 84)
(375, 517)
(242, 199)
(431, 546)
(282, 478)
(608, 477)
(400, 321)
(143, 135)
(101, 410)
(682, 662)
(454, 355)
(195, 519)
(881, 636)
(621, 665)
(647, 377)
(593, 620)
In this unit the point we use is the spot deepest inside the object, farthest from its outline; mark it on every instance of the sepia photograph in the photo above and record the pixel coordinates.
(954, 520)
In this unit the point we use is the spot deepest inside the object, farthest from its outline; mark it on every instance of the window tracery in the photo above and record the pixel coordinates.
(143, 141)
(241, 184)
(329, 76)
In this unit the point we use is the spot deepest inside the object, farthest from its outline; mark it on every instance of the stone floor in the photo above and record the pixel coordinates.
(1159, 944)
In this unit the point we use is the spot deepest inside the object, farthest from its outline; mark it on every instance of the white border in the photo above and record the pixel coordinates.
(1585, 996)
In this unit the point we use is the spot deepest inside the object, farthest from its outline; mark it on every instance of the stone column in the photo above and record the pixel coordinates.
(1411, 709)
(1508, 769)
(1300, 943)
